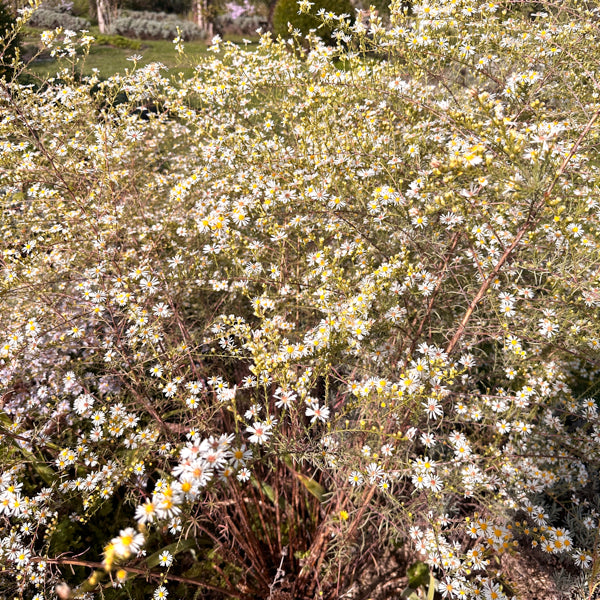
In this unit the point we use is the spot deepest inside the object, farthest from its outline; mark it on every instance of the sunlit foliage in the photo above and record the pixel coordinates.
(312, 302)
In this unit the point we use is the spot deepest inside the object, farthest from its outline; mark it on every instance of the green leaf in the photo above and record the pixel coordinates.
(431, 591)
(409, 594)
(418, 575)
(64, 537)
(39, 465)
(315, 488)
(176, 548)
(45, 472)
(268, 489)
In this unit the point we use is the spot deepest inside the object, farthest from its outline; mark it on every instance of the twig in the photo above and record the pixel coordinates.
(139, 571)
(524, 229)
(434, 294)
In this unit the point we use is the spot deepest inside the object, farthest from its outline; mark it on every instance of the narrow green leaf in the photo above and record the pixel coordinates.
(315, 488)
(39, 466)
(431, 591)
(176, 548)
(268, 490)
(418, 575)
(409, 594)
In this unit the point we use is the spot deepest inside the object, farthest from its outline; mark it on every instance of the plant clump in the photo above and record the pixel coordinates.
(314, 306)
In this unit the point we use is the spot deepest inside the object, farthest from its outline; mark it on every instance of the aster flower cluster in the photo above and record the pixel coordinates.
(316, 301)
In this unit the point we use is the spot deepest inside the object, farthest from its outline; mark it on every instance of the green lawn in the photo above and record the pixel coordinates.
(109, 59)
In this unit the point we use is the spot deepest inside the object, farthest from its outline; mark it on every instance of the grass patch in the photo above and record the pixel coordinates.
(118, 41)
(109, 55)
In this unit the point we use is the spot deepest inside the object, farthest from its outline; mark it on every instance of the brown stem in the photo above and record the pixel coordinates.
(144, 572)
(524, 229)
(434, 294)
(484, 287)
(361, 512)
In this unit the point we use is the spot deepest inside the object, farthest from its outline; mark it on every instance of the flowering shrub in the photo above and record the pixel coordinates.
(235, 11)
(318, 305)
(239, 19)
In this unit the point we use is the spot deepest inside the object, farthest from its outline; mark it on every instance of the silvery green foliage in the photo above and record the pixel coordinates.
(50, 18)
(148, 25)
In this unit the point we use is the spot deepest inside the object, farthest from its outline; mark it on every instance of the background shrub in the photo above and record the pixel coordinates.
(84, 8)
(50, 18)
(148, 15)
(286, 11)
(242, 25)
(169, 6)
(61, 6)
(117, 41)
(154, 26)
